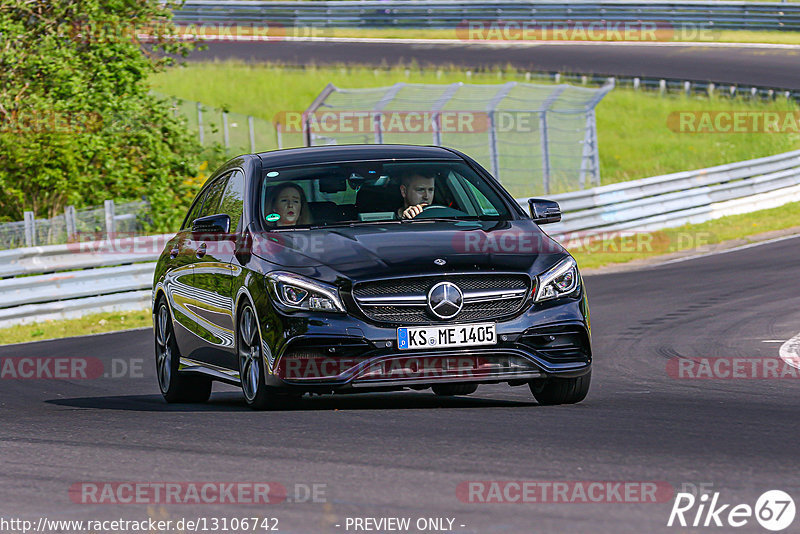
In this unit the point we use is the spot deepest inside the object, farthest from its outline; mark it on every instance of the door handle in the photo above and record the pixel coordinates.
(174, 252)
(201, 250)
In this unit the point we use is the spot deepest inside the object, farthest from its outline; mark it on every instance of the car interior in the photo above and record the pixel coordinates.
(345, 194)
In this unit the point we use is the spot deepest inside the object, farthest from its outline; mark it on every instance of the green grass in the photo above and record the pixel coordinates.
(635, 141)
(89, 324)
(695, 237)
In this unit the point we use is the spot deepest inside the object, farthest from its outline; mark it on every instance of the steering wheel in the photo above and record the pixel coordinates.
(434, 212)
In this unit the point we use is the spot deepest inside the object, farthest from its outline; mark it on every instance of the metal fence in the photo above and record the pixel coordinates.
(236, 132)
(454, 13)
(536, 139)
(88, 223)
(125, 281)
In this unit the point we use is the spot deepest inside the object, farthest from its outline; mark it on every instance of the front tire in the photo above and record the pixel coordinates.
(176, 387)
(257, 394)
(550, 391)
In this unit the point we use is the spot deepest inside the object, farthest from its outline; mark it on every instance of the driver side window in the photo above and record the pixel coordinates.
(214, 196)
(194, 212)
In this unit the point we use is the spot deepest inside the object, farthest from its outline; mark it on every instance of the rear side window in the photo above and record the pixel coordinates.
(232, 202)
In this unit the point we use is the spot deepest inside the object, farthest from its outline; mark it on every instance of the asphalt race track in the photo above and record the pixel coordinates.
(404, 454)
(744, 65)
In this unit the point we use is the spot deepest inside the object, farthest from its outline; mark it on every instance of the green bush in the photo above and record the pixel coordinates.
(77, 123)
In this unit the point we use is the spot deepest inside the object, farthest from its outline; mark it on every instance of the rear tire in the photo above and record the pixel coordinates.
(550, 391)
(176, 387)
(449, 390)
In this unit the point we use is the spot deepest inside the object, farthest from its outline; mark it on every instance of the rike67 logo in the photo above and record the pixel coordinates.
(774, 510)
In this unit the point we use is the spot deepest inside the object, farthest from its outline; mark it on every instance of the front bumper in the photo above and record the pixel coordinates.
(338, 352)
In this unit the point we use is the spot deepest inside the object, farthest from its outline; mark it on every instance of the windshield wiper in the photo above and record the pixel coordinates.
(349, 223)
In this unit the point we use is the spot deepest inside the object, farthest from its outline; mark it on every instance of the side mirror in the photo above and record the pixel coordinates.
(212, 224)
(544, 211)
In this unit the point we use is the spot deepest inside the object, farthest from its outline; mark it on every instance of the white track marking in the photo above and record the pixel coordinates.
(735, 249)
(790, 352)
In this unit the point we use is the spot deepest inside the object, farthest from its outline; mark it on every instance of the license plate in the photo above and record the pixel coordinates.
(434, 337)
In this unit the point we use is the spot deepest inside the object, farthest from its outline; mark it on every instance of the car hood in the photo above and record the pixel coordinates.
(368, 251)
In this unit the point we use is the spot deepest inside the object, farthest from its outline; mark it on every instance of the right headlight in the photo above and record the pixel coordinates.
(558, 281)
(301, 293)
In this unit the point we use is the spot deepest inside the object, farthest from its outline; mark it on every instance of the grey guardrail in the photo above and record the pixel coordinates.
(62, 281)
(450, 14)
(71, 280)
(680, 198)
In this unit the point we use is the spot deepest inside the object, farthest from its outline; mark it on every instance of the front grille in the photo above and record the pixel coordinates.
(410, 294)
(423, 284)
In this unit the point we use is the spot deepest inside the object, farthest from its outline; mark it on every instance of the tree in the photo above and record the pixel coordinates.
(77, 123)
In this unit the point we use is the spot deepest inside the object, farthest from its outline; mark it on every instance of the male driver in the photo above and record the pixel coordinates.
(417, 192)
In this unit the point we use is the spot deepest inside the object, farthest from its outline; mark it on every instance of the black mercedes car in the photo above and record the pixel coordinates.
(366, 268)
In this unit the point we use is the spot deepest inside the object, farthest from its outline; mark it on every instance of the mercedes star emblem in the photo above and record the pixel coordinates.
(445, 300)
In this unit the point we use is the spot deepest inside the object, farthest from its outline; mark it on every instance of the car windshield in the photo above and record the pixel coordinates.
(376, 192)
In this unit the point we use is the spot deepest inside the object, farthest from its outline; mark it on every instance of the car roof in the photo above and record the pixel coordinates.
(348, 153)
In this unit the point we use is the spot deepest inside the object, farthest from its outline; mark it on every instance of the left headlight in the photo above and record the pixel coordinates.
(301, 293)
(558, 281)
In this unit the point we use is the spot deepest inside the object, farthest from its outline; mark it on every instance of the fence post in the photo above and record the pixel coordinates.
(378, 129)
(437, 110)
(309, 112)
(30, 229)
(545, 152)
(225, 133)
(252, 128)
(377, 110)
(490, 110)
(69, 219)
(200, 121)
(589, 164)
(110, 223)
(543, 135)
